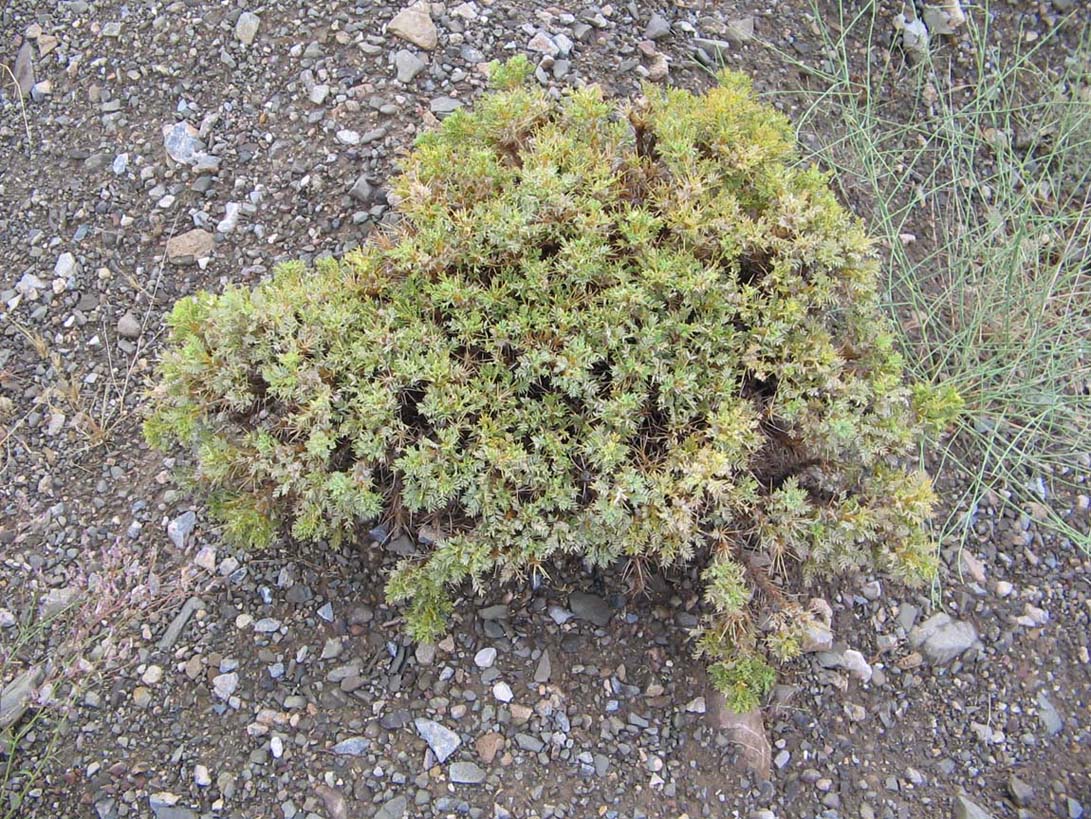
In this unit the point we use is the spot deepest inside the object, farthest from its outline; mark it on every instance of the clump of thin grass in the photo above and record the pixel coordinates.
(980, 192)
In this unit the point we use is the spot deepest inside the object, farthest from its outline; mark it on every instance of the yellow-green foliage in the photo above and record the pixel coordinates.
(640, 331)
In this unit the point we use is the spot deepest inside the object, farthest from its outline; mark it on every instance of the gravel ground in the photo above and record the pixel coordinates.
(172, 147)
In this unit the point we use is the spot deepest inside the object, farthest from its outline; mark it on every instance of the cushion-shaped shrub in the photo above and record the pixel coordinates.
(642, 331)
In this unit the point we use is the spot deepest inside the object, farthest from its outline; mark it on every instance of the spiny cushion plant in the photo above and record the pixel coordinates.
(639, 331)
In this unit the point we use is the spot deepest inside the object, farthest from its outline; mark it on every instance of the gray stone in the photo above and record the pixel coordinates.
(361, 192)
(1021, 792)
(1052, 723)
(442, 106)
(128, 326)
(408, 65)
(717, 50)
(544, 670)
(467, 773)
(963, 808)
(543, 44)
(56, 601)
(529, 742)
(182, 143)
(658, 27)
(415, 25)
(174, 630)
(940, 638)
(443, 741)
(173, 812)
(395, 808)
(741, 30)
(225, 684)
(485, 657)
(353, 746)
(16, 695)
(246, 27)
(497, 612)
(66, 266)
(24, 68)
(590, 607)
(179, 529)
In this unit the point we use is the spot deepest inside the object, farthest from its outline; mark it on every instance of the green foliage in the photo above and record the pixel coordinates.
(744, 681)
(634, 336)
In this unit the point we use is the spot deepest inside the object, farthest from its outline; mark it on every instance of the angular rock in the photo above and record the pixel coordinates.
(1051, 720)
(544, 670)
(361, 192)
(941, 639)
(189, 247)
(963, 808)
(741, 30)
(442, 106)
(488, 746)
(246, 27)
(174, 630)
(543, 44)
(56, 601)
(24, 68)
(182, 143)
(408, 65)
(179, 529)
(443, 741)
(353, 746)
(944, 17)
(225, 684)
(1021, 792)
(415, 25)
(590, 607)
(16, 696)
(467, 773)
(658, 27)
(336, 806)
(395, 808)
(529, 742)
(744, 730)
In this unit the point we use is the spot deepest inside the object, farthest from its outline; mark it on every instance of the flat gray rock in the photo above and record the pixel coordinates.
(393, 809)
(443, 741)
(174, 630)
(467, 773)
(941, 638)
(966, 809)
(16, 695)
(590, 607)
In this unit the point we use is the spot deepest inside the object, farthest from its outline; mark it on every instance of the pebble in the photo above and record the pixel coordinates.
(190, 247)
(964, 808)
(467, 773)
(502, 691)
(225, 684)
(442, 740)
(152, 675)
(246, 27)
(353, 746)
(408, 65)
(128, 326)
(590, 607)
(201, 776)
(415, 25)
(941, 638)
(485, 657)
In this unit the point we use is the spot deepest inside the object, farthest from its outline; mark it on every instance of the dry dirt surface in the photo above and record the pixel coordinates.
(162, 148)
